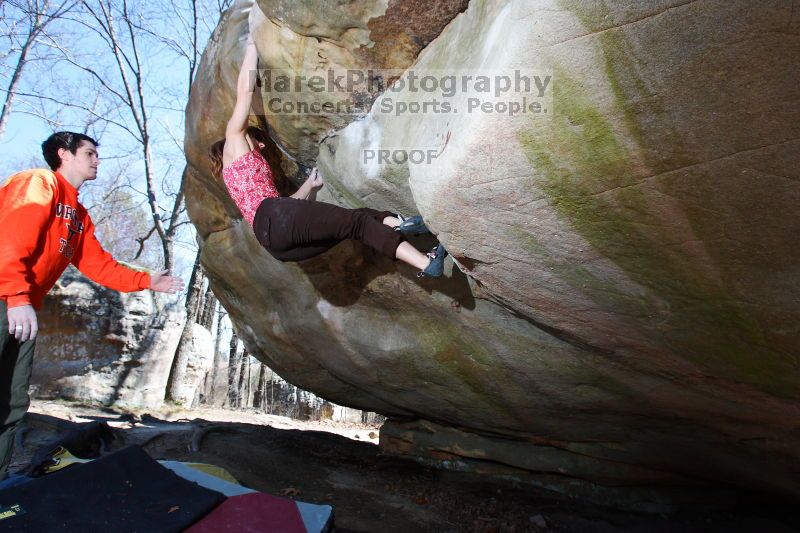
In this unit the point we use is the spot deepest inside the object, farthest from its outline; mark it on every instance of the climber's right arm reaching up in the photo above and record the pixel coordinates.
(236, 144)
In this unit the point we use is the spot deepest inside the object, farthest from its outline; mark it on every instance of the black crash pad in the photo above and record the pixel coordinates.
(126, 491)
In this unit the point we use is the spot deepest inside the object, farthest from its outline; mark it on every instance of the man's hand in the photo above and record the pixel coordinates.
(22, 323)
(315, 180)
(161, 282)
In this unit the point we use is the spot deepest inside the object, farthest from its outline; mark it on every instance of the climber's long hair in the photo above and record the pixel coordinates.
(215, 154)
(259, 136)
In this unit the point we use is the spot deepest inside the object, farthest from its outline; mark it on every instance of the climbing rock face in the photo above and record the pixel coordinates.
(625, 300)
(342, 38)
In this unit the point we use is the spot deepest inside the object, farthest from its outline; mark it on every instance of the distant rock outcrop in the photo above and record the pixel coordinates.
(100, 345)
(628, 312)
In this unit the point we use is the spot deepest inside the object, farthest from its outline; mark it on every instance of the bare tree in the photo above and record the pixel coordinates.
(217, 364)
(206, 317)
(115, 24)
(123, 32)
(124, 88)
(38, 14)
(222, 6)
(177, 371)
(200, 309)
(240, 394)
(248, 382)
(260, 396)
(271, 393)
(118, 214)
(234, 368)
(185, 45)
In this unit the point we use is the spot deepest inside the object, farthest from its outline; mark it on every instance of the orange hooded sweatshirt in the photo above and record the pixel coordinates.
(43, 228)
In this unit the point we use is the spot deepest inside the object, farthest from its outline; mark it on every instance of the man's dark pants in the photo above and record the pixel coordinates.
(16, 360)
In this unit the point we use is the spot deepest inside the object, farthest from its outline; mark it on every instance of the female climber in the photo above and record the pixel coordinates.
(297, 227)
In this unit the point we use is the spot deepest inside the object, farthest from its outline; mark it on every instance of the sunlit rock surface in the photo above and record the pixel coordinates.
(98, 345)
(630, 299)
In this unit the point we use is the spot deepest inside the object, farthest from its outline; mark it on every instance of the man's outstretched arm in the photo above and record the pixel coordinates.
(98, 265)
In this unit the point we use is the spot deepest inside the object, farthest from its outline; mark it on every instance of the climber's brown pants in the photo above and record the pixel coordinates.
(293, 230)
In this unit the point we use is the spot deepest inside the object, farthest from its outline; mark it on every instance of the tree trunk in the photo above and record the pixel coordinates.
(247, 367)
(260, 396)
(234, 364)
(296, 407)
(37, 25)
(217, 357)
(242, 377)
(177, 371)
(209, 308)
(271, 393)
(15, 78)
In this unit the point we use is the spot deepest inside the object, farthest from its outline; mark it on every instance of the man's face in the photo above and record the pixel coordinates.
(83, 163)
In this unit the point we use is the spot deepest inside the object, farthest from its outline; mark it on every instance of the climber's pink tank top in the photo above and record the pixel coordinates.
(249, 181)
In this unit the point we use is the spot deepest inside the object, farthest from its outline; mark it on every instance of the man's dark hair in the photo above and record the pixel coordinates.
(66, 140)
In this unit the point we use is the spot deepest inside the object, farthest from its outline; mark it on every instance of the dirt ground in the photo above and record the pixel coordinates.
(341, 465)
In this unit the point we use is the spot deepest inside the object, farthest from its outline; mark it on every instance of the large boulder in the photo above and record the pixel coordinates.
(626, 285)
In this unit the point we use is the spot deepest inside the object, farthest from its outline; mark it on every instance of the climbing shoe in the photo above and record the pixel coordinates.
(435, 267)
(412, 225)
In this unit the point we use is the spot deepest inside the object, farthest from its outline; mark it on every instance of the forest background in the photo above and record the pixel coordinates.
(121, 71)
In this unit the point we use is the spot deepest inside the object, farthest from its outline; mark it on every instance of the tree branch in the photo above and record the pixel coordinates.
(141, 241)
(76, 106)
